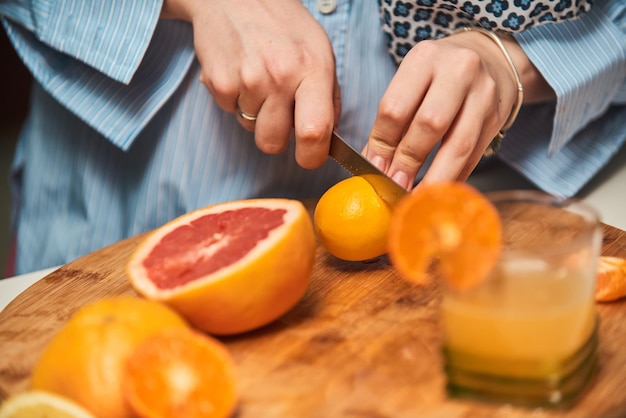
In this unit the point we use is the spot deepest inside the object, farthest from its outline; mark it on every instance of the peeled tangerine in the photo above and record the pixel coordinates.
(230, 267)
(611, 279)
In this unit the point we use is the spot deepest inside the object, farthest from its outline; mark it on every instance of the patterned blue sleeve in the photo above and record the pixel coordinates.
(109, 63)
(584, 61)
(406, 22)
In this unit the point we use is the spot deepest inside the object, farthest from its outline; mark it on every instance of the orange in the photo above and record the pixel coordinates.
(450, 223)
(611, 279)
(230, 267)
(39, 404)
(352, 221)
(180, 374)
(85, 359)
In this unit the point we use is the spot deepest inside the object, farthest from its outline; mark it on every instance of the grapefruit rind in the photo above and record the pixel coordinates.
(450, 225)
(255, 290)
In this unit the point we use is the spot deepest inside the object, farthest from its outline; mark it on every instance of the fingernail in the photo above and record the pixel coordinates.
(379, 163)
(401, 178)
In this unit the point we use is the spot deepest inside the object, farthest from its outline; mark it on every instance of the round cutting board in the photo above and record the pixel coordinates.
(361, 343)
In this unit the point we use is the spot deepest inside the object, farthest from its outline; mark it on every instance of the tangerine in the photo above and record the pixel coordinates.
(231, 267)
(451, 223)
(180, 374)
(352, 221)
(610, 279)
(85, 359)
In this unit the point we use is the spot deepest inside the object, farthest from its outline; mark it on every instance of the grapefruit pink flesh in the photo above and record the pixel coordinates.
(208, 244)
(231, 267)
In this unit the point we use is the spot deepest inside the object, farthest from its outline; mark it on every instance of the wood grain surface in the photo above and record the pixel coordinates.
(362, 343)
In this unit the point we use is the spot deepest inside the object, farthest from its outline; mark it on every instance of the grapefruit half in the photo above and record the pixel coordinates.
(231, 267)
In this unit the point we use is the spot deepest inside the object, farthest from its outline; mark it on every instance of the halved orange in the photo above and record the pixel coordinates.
(451, 224)
(180, 374)
(611, 279)
(230, 267)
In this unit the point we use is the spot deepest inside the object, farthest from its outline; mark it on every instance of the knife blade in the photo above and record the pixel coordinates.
(358, 165)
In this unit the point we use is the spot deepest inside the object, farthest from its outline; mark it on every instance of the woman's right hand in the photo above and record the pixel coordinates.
(272, 60)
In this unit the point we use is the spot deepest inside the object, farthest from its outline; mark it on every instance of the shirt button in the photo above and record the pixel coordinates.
(326, 6)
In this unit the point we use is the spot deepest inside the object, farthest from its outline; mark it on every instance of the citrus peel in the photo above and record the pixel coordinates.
(610, 279)
(230, 267)
(180, 374)
(451, 224)
(352, 221)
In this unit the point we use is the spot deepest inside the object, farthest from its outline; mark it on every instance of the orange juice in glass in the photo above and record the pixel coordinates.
(528, 333)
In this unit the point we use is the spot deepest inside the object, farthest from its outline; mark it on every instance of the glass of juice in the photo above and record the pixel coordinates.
(528, 334)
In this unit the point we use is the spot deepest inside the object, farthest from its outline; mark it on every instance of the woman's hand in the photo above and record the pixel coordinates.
(458, 90)
(271, 60)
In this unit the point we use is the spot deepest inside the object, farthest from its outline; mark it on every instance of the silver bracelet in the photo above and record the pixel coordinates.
(495, 144)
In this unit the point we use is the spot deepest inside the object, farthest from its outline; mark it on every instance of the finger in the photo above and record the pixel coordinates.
(248, 118)
(253, 91)
(395, 113)
(274, 124)
(336, 101)
(314, 117)
(433, 119)
(225, 91)
(465, 142)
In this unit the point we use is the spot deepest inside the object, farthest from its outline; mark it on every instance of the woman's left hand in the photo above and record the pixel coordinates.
(458, 90)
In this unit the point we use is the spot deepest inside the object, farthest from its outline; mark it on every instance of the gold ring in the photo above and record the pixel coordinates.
(246, 116)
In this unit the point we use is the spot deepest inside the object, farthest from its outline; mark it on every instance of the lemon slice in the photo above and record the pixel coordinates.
(38, 404)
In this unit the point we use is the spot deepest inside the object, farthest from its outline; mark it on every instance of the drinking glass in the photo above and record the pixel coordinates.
(528, 334)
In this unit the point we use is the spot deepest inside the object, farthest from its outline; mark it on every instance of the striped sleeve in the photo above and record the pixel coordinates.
(110, 36)
(115, 86)
(584, 61)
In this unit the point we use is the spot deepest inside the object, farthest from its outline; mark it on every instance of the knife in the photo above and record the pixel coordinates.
(357, 165)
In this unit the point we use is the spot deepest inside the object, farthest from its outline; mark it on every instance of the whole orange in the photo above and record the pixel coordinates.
(230, 267)
(352, 220)
(85, 360)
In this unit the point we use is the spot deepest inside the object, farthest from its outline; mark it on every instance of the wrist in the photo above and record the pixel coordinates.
(536, 88)
(517, 104)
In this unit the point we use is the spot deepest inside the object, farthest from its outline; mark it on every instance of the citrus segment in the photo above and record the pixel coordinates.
(451, 224)
(85, 359)
(611, 279)
(180, 374)
(39, 404)
(230, 267)
(352, 220)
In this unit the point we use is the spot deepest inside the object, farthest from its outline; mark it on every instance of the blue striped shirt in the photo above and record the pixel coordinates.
(122, 137)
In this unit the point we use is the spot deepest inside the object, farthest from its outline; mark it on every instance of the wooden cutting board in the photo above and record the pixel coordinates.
(361, 343)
